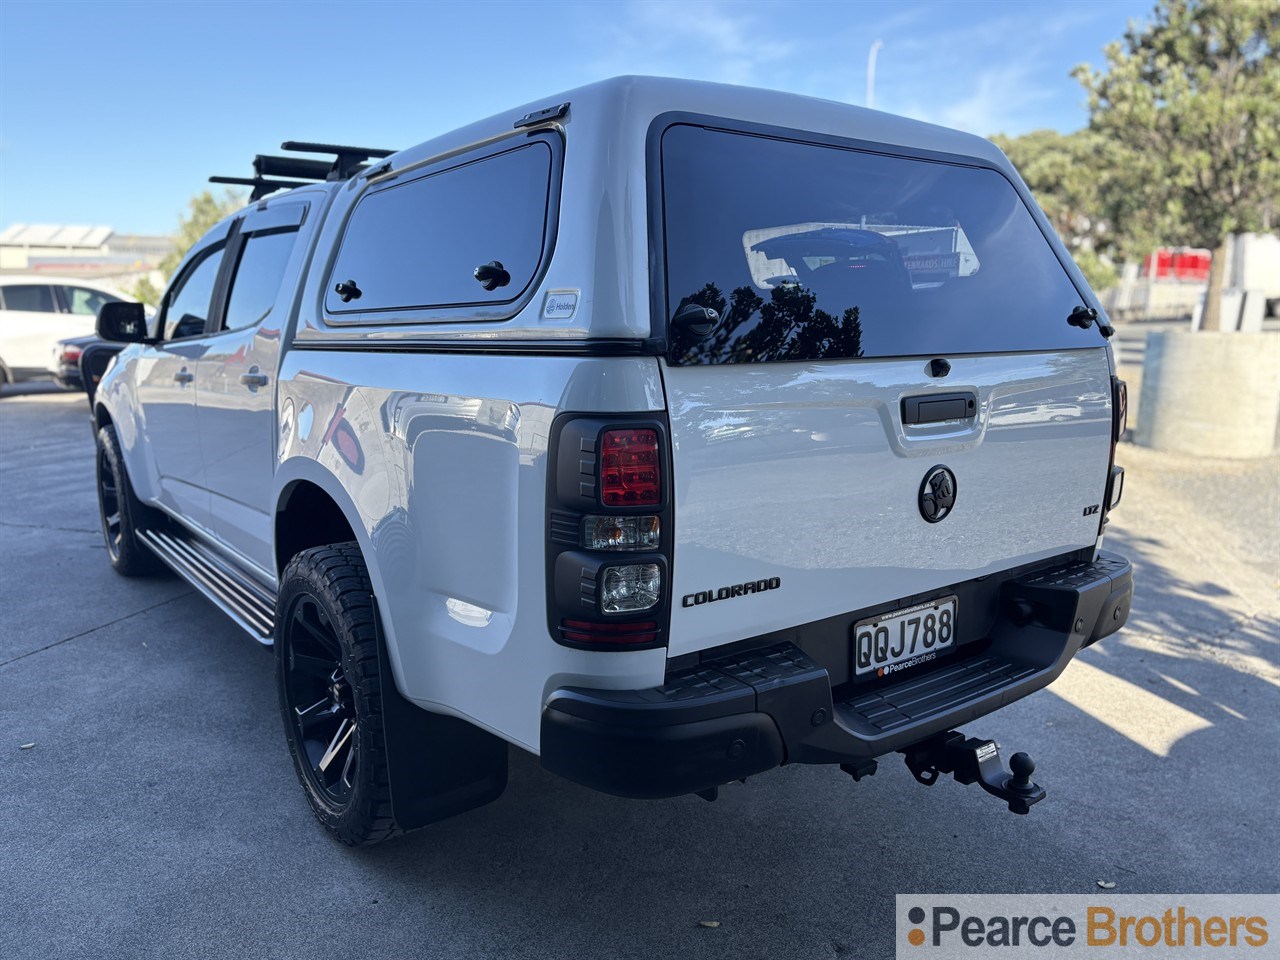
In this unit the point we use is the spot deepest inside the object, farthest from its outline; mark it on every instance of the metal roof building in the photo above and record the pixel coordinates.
(80, 251)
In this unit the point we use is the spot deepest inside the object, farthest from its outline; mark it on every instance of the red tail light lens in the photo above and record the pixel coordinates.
(584, 631)
(1119, 424)
(629, 468)
(1120, 414)
(70, 354)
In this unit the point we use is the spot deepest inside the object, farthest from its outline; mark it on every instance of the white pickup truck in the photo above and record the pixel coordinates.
(669, 431)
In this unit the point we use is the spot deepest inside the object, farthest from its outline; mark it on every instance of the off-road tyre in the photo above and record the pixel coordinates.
(328, 679)
(122, 513)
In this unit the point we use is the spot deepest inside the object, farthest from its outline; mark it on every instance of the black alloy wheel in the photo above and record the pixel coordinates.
(109, 505)
(329, 681)
(121, 512)
(321, 700)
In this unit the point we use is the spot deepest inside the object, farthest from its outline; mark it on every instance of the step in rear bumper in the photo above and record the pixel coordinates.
(742, 714)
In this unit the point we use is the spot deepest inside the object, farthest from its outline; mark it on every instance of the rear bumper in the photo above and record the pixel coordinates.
(742, 714)
(69, 378)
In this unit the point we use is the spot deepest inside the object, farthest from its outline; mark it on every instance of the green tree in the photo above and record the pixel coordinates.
(1190, 102)
(787, 326)
(205, 210)
(1065, 172)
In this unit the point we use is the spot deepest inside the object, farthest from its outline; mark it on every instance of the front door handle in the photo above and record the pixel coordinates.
(253, 379)
(184, 376)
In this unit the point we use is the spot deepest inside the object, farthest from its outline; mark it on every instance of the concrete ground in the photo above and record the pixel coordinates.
(157, 814)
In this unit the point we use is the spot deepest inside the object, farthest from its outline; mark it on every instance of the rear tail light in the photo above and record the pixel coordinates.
(609, 527)
(71, 354)
(1117, 487)
(1119, 424)
(630, 475)
(621, 533)
(1120, 409)
(614, 634)
(631, 588)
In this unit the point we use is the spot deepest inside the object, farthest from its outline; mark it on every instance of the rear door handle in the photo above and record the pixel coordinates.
(184, 376)
(936, 407)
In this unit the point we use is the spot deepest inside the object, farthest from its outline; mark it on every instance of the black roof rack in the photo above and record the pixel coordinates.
(261, 187)
(346, 162)
(297, 167)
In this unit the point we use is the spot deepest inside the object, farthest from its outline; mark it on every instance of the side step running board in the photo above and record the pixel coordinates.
(243, 599)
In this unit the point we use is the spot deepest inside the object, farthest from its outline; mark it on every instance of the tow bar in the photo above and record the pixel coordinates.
(971, 760)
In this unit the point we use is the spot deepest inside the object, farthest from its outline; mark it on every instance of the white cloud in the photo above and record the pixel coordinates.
(999, 98)
(994, 100)
(988, 77)
(984, 74)
(702, 39)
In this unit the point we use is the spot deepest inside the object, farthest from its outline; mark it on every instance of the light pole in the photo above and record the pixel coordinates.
(871, 72)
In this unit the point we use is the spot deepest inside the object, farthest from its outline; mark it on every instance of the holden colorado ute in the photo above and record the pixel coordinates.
(669, 431)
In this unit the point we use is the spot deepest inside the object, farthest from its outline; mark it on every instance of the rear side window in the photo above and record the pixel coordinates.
(813, 252)
(83, 301)
(35, 298)
(418, 244)
(258, 277)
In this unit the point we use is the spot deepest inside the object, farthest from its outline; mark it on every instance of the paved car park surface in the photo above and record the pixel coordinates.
(157, 813)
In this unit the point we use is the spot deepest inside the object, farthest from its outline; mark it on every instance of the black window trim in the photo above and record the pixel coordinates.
(492, 311)
(284, 217)
(659, 296)
(200, 256)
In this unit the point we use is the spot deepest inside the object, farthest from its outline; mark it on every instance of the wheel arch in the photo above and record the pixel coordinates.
(307, 515)
(470, 767)
(135, 451)
(313, 509)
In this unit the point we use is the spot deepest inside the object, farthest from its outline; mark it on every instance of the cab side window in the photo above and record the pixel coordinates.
(187, 304)
(31, 297)
(256, 284)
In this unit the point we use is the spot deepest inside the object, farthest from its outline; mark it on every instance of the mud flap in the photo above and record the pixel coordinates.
(439, 766)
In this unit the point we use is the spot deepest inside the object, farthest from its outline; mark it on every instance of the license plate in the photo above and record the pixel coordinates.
(904, 638)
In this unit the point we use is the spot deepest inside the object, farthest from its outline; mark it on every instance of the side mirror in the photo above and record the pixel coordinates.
(122, 322)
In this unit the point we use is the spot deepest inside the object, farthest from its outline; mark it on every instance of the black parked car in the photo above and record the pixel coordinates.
(67, 355)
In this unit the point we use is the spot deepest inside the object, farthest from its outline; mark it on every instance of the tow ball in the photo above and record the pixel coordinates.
(972, 760)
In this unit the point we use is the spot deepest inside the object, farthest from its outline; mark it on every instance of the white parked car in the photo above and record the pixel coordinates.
(671, 471)
(36, 312)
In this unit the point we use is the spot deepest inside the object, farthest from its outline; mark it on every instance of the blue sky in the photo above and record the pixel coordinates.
(115, 113)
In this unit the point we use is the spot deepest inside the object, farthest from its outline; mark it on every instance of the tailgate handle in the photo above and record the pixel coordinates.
(936, 407)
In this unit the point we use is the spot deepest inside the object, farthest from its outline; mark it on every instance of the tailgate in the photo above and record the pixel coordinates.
(805, 476)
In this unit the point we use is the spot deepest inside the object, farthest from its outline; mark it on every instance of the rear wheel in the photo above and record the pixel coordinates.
(328, 679)
(122, 513)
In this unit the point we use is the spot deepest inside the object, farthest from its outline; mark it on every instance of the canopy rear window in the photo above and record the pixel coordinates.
(812, 252)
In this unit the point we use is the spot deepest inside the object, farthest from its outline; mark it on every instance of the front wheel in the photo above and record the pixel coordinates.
(328, 679)
(122, 513)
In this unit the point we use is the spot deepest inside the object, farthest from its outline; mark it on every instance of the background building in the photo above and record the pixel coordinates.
(98, 253)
